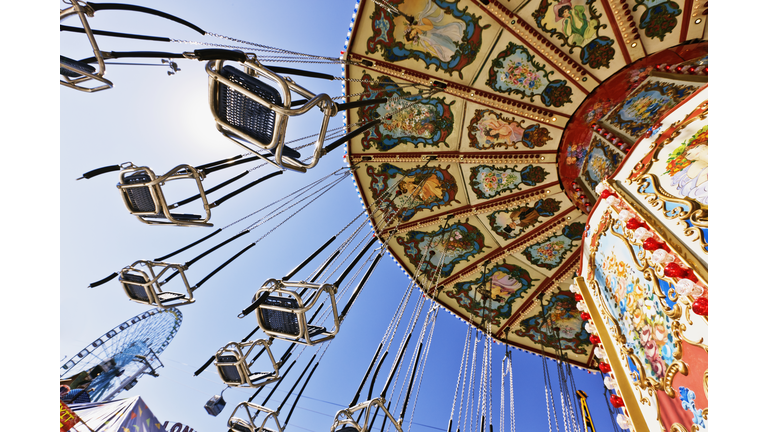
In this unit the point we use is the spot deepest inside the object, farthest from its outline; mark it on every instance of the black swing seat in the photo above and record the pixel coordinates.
(138, 292)
(246, 115)
(234, 360)
(141, 200)
(143, 196)
(285, 322)
(347, 429)
(144, 287)
(231, 373)
(242, 112)
(83, 67)
(237, 425)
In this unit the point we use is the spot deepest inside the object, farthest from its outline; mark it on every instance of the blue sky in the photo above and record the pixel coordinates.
(161, 121)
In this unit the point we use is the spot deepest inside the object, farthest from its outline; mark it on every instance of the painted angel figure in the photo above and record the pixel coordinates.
(688, 167)
(439, 40)
(693, 180)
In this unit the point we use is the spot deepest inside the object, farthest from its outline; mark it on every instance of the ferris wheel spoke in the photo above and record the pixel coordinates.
(146, 333)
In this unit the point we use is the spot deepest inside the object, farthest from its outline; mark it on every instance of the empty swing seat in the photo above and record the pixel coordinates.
(283, 314)
(76, 74)
(345, 422)
(285, 322)
(242, 112)
(143, 196)
(230, 371)
(233, 363)
(254, 114)
(248, 424)
(145, 289)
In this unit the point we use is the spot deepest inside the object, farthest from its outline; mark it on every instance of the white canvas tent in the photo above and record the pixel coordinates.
(130, 414)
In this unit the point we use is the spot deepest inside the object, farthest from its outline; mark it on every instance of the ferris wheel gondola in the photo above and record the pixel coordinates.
(115, 361)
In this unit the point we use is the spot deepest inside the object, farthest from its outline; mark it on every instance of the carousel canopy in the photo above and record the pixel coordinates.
(532, 104)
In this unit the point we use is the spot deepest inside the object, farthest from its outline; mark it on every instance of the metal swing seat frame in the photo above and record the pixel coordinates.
(234, 94)
(143, 196)
(284, 316)
(349, 424)
(235, 357)
(237, 424)
(81, 74)
(133, 280)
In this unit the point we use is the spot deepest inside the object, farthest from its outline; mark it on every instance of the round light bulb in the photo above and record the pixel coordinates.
(688, 287)
(622, 421)
(641, 234)
(625, 215)
(600, 188)
(660, 256)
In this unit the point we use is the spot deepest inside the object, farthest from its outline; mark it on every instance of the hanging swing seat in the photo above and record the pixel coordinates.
(145, 286)
(283, 315)
(78, 75)
(248, 424)
(255, 114)
(345, 422)
(233, 363)
(143, 195)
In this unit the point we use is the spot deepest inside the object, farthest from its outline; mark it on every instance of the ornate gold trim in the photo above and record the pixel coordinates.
(682, 251)
(672, 370)
(623, 381)
(706, 385)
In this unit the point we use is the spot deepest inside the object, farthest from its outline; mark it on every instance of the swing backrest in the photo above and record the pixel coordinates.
(140, 197)
(136, 292)
(280, 321)
(229, 373)
(242, 112)
(84, 67)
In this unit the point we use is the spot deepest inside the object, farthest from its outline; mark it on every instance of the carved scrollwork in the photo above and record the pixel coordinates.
(674, 312)
(678, 366)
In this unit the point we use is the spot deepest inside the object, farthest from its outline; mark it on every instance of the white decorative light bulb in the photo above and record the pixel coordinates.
(600, 188)
(688, 287)
(641, 234)
(624, 215)
(622, 421)
(600, 353)
(660, 256)
(611, 200)
(610, 383)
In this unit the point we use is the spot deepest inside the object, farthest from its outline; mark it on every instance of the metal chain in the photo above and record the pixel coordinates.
(470, 395)
(269, 48)
(511, 396)
(424, 365)
(461, 367)
(546, 399)
(309, 186)
(490, 375)
(385, 5)
(275, 213)
(501, 403)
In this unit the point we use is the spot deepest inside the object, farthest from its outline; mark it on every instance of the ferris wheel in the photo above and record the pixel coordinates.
(115, 361)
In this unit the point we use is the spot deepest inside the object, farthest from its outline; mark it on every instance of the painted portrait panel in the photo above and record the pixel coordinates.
(436, 32)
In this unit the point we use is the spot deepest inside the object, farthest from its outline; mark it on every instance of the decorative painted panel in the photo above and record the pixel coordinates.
(433, 32)
(409, 191)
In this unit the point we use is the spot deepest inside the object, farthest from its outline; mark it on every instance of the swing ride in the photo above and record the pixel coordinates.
(476, 134)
